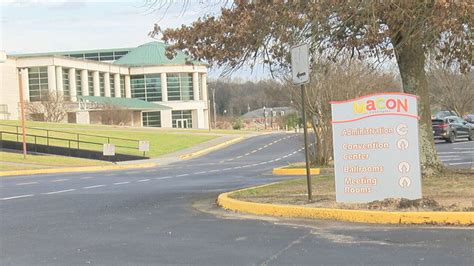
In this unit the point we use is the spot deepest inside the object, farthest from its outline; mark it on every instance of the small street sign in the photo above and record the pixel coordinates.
(144, 145)
(300, 64)
(109, 149)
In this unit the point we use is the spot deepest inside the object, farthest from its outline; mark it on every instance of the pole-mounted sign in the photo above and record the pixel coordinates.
(376, 152)
(300, 73)
(300, 64)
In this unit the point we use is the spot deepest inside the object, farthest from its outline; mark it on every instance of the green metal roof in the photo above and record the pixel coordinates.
(154, 53)
(127, 103)
(73, 52)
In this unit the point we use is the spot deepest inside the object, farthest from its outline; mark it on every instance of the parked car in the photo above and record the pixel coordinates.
(443, 114)
(452, 127)
(469, 118)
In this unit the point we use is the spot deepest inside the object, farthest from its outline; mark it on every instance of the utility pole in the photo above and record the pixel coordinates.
(214, 106)
(265, 117)
(306, 151)
(22, 114)
(271, 118)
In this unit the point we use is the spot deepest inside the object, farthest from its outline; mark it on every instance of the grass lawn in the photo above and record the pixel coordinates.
(15, 161)
(161, 141)
(452, 191)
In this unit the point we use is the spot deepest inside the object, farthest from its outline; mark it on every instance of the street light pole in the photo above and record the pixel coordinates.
(214, 106)
(265, 117)
(22, 111)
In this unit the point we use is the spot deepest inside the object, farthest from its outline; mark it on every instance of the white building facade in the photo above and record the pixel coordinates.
(158, 92)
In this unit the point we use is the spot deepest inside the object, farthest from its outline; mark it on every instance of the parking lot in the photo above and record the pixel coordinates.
(458, 155)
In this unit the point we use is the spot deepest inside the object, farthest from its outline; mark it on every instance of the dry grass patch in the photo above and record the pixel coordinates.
(451, 191)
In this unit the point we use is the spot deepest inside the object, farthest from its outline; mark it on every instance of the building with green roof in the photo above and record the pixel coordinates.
(154, 90)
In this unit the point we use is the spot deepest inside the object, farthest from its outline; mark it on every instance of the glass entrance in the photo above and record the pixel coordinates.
(181, 123)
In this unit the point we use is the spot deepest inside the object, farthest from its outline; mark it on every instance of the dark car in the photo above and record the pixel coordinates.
(469, 118)
(452, 127)
(443, 114)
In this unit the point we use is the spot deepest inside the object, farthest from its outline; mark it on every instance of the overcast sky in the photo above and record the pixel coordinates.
(29, 26)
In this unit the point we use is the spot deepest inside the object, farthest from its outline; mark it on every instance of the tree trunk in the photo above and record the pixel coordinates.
(411, 63)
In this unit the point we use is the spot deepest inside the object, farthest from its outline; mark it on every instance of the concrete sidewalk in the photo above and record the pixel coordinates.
(178, 155)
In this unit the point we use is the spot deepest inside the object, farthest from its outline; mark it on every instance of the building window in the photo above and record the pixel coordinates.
(146, 87)
(78, 83)
(151, 119)
(182, 119)
(112, 86)
(38, 80)
(102, 84)
(122, 86)
(180, 87)
(90, 78)
(66, 88)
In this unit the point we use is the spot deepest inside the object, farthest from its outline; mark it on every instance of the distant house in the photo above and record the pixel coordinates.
(155, 91)
(269, 117)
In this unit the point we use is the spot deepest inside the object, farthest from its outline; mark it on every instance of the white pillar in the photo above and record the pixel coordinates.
(51, 78)
(196, 86)
(200, 118)
(85, 82)
(59, 79)
(26, 84)
(72, 84)
(117, 85)
(164, 88)
(128, 90)
(107, 84)
(166, 121)
(204, 87)
(96, 82)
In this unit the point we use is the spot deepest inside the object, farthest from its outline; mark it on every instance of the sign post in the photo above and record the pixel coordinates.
(144, 146)
(300, 74)
(376, 152)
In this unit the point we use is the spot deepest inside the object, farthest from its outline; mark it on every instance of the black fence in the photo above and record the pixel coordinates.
(69, 143)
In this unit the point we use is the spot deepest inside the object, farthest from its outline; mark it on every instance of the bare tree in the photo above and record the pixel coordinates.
(450, 89)
(335, 81)
(114, 115)
(51, 108)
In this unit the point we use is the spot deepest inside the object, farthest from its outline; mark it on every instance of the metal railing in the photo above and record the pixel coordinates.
(68, 139)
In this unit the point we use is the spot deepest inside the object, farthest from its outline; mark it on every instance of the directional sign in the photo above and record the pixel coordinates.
(300, 64)
(144, 145)
(108, 149)
(376, 152)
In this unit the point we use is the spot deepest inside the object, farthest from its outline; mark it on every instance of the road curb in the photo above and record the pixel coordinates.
(358, 216)
(77, 169)
(210, 149)
(295, 171)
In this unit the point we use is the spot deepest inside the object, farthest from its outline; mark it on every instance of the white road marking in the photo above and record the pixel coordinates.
(26, 183)
(18, 197)
(87, 177)
(247, 154)
(59, 180)
(227, 169)
(449, 160)
(199, 173)
(254, 151)
(59, 191)
(463, 148)
(143, 180)
(182, 175)
(237, 167)
(238, 157)
(96, 186)
(266, 146)
(456, 152)
(259, 149)
(461, 163)
(165, 177)
(215, 170)
(121, 183)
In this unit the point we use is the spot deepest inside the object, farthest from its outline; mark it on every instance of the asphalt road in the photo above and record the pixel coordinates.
(166, 216)
(458, 155)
